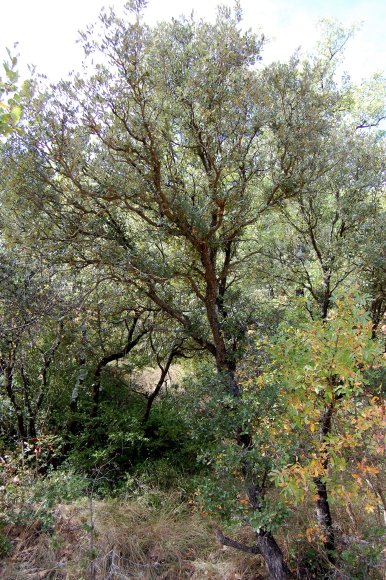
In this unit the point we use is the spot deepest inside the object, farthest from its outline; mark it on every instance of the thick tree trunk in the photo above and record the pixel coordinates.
(266, 547)
(273, 556)
(266, 544)
(20, 425)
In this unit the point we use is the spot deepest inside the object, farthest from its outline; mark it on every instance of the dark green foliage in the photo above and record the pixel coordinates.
(119, 442)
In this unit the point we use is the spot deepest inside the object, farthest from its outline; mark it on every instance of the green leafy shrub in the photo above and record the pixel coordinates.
(119, 442)
(364, 558)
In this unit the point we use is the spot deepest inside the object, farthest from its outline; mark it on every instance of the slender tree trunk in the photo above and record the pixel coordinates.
(8, 368)
(78, 384)
(48, 358)
(326, 298)
(266, 544)
(96, 389)
(131, 343)
(31, 412)
(377, 311)
(154, 394)
(324, 518)
(226, 367)
(323, 512)
(74, 421)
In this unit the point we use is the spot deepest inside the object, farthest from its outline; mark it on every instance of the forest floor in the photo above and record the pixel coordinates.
(110, 539)
(61, 525)
(161, 535)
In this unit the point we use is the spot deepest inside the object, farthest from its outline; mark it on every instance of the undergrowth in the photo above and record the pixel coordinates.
(63, 526)
(149, 534)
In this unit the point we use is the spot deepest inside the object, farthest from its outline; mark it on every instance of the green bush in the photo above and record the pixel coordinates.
(365, 558)
(118, 442)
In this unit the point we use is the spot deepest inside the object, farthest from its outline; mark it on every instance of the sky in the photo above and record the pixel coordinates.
(47, 30)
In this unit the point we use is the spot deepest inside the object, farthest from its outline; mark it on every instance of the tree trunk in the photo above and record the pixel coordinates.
(324, 518)
(96, 389)
(154, 394)
(82, 372)
(226, 367)
(273, 556)
(266, 547)
(8, 377)
(377, 310)
(326, 297)
(31, 412)
(79, 382)
(115, 356)
(20, 425)
(323, 512)
(266, 544)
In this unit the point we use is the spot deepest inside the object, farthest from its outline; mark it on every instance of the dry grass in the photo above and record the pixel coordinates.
(133, 540)
(157, 536)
